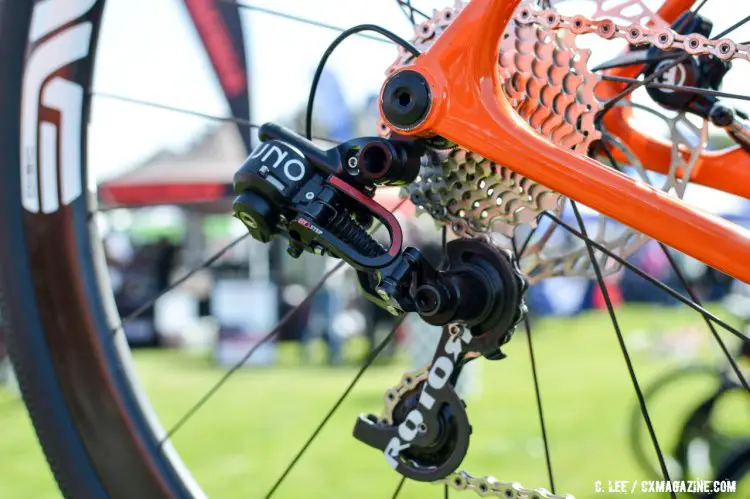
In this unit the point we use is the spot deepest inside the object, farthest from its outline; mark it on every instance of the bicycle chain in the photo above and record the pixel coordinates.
(486, 486)
(635, 34)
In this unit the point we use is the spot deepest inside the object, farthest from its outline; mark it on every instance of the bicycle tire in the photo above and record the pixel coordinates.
(88, 414)
(733, 468)
(636, 444)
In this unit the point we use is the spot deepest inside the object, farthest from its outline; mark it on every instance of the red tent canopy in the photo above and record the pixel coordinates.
(201, 174)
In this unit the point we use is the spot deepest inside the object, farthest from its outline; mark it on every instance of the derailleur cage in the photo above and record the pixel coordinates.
(478, 298)
(428, 435)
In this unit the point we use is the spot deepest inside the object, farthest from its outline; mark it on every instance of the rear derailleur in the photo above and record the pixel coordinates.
(321, 201)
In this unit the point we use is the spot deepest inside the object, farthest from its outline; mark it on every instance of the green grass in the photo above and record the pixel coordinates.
(242, 440)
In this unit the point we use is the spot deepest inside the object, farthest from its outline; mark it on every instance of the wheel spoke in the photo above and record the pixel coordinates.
(542, 424)
(690, 90)
(656, 74)
(714, 333)
(535, 376)
(623, 347)
(268, 337)
(686, 286)
(368, 362)
(189, 112)
(526, 242)
(406, 5)
(206, 263)
(399, 487)
(694, 13)
(298, 19)
(733, 27)
(406, 8)
(649, 278)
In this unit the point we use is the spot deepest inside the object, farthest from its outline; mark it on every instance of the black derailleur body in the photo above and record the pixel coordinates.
(322, 202)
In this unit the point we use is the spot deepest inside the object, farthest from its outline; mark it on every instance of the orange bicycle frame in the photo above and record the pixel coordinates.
(727, 170)
(468, 107)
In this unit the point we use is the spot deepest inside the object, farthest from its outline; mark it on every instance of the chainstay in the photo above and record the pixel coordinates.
(486, 486)
(635, 34)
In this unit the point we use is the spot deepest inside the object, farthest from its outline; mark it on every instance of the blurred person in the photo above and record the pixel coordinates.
(612, 286)
(737, 303)
(165, 260)
(143, 279)
(367, 116)
(323, 308)
(7, 377)
(293, 328)
(651, 260)
(378, 323)
(717, 284)
(3, 358)
(118, 253)
(138, 288)
(560, 296)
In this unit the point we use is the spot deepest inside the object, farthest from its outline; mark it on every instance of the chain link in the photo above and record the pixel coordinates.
(409, 382)
(635, 34)
(486, 486)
